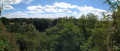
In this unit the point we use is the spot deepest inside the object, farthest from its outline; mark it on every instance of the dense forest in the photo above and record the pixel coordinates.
(87, 33)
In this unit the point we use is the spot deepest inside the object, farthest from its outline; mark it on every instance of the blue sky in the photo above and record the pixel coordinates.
(51, 8)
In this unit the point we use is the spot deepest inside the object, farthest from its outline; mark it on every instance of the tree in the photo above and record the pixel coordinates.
(65, 36)
(7, 40)
(26, 35)
(6, 22)
(86, 24)
(114, 36)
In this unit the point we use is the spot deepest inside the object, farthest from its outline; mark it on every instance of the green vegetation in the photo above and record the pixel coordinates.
(63, 34)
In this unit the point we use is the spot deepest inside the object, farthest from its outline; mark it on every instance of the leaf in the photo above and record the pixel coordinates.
(105, 2)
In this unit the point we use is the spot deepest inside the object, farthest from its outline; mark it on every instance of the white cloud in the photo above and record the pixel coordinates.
(88, 9)
(27, 1)
(20, 14)
(60, 9)
(35, 7)
(7, 7)
(115, 0)
(62, 14)
(65, 5)
(6, 3)
(32, 12)
(50, 8)
(10, 1)
(35, 11)
(17, 14)
(47, 8)
(74, 12)
(45, 16)
(15, 1)
(64, 10)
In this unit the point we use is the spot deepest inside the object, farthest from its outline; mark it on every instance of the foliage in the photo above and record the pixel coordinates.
(40, 24)
(7, 42)
(63, 34)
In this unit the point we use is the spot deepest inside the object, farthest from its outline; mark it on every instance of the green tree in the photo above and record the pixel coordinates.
(26, 35)
(65, 36)
(113, 36)
(7, 40)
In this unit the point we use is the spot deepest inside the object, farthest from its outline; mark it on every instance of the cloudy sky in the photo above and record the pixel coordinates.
(51, 8)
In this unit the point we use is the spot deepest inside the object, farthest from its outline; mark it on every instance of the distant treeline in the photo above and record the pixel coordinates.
(40, 23)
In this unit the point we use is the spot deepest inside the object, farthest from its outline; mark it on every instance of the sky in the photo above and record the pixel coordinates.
(51, 8)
